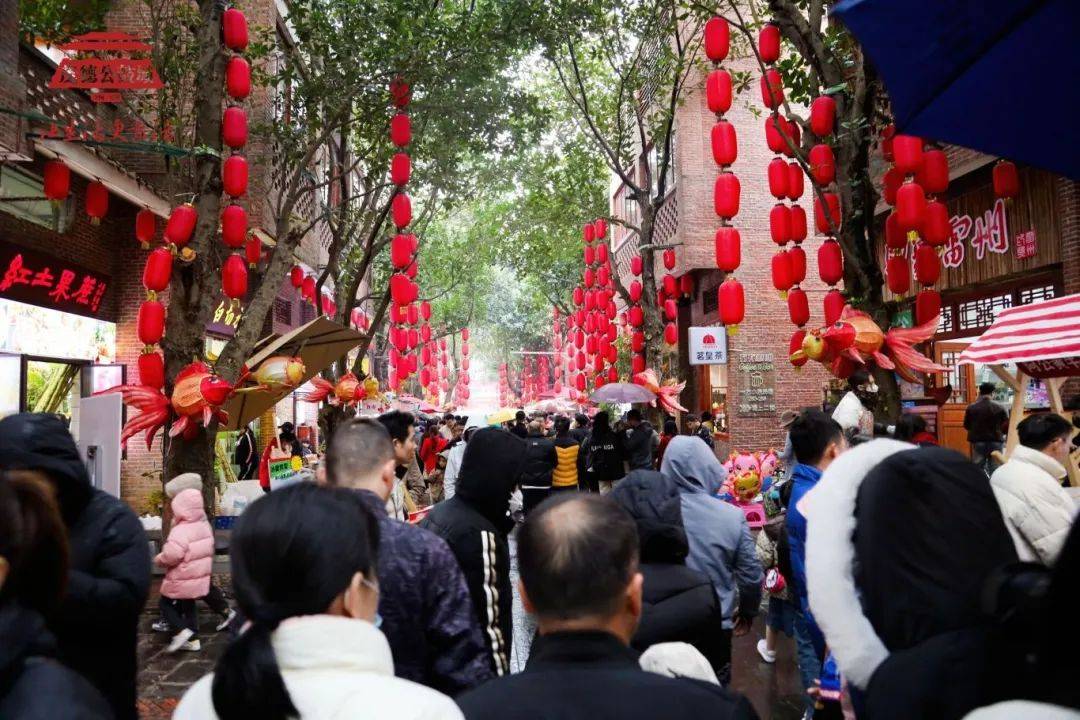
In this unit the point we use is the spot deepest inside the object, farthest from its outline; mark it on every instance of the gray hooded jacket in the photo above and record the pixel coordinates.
(720, 542)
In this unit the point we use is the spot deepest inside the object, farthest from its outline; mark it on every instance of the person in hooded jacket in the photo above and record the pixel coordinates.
(720, 542)
(33, 569)
(188, 557)
(475, 523)
(600, 461)
(678, 604)
(109, 575)
(540, 462)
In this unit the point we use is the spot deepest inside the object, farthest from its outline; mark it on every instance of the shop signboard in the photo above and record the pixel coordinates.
(36, 278)
(708, 345)
(226, 318)
(756, 384)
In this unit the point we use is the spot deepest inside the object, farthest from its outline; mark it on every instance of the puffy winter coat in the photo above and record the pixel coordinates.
(475, 524)
(602, 456)
(188, 554)
(1038, 512)
(335, 668)
(539, 463)
(639, 445)
(109, 559)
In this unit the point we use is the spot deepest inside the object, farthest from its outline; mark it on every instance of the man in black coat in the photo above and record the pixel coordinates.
(540, 460)
(475, 524)
(110, 559)
(640, 442)
(427, 615)
(680, 604)
(985, 422)
(578, 556)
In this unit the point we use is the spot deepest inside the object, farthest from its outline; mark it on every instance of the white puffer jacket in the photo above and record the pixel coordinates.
(1038, 511)
(336, 668)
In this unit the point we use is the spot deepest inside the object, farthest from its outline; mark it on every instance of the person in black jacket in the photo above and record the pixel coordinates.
(475, 524)
(109, 575)
(640, 441)
(679, 603)
(540, 461)
(580, 430)
(601, 457)
(578, 556)
(33, 566)
(427, 615)
(246, 454)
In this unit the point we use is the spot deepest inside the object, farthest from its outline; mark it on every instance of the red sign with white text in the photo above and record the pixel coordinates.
(35, 278)
(103, 64)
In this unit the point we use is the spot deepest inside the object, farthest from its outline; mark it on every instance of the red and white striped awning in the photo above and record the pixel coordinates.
(1045, 330)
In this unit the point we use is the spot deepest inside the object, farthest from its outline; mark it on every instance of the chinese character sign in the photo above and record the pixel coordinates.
(98, 62)
(707, 345)
(38, 279)
(756, 384)
(1025, 245)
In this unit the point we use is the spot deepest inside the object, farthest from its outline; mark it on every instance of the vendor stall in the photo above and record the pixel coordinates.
(1040, 340)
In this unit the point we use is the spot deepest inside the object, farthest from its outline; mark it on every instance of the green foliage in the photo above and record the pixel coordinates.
(55, 21)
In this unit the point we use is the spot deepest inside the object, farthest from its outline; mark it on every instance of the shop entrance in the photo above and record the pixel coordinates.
(950, 426)
(34, 383)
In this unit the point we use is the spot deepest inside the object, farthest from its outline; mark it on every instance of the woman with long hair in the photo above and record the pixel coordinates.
(303, 570)
(601, 457)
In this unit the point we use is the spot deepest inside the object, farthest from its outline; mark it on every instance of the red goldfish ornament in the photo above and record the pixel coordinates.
(667, 394)
(347, 391)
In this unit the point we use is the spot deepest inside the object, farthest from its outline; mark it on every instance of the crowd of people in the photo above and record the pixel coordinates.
(913, 585)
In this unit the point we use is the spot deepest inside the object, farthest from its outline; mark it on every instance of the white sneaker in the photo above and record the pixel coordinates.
(226, 621)
(767, 655)
(161, 626)
(191, 646)
(180, 639)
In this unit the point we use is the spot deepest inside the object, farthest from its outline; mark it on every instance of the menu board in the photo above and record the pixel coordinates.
(756, 383)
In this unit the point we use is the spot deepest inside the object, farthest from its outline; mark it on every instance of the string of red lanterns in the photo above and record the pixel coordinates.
(234, 171)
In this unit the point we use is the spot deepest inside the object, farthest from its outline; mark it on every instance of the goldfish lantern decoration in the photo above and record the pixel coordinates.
(855, 339)
(197, 397)
(667, 393)
(277, 373)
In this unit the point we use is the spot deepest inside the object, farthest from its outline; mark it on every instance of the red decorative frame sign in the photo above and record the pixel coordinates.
(38, 279)
(95, 69)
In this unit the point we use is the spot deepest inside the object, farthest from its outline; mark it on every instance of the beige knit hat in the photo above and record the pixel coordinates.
(183, 481)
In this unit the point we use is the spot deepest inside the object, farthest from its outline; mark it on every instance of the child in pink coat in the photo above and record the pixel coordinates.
(188, 556)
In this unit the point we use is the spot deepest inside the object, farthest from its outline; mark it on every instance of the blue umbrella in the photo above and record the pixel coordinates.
(992, 75)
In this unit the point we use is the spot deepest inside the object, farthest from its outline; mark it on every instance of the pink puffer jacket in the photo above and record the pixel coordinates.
(188, 554)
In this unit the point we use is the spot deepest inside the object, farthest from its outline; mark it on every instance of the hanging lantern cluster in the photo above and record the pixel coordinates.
(557, 350)
(830, 256)
(461, 392)
(726, 190)
(592, 351)
(234, 170)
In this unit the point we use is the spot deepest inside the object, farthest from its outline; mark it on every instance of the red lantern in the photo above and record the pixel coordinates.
(798, 223)
(579, 296)
(145, 227)
(774, 135)
(425, 310)
(830, 259)
(927, 264)
(822, 115)
(411, 270)
(152, 370)
(798, 306)
(588, 232)
(158, 270)
(401, 210)
(634, 291)
(793, 134)
(890, 183)
(579, 382)
(601, 254)
(731, 302)
(1006, 180)
(778, 178)
(936, 228)
(637, 364)
(834, 306)
(296, 276)
(772, 89)
(671, 333)
(781, 272)
(927, 306)
(234, 277)
(728, 247)
(669, 259)
(780, 223)
(907, 153)
(400, 289)
(725, 146)
(726, 195)
(898, 274)
(822, 164)
(589, 255)
(832, 200)
(400, 169)
(234, 30)
(401, 250)
(895, 238)
(307, 288)
(933, 174)
(670, 285)
(234, 127)
(717, 39)
(181, 225)
(795, 345)
(794, 181)
(399, 92)
(671, 310)
(425, 335)
(97, 201)
(57, 180)
(400, 130)
(686, 285)
(150, 323)
(637, 341)
(234, 226)
(237, 78)
(412, 315)
(718, 91)
(600, 229)
(636, 265)
(769, 43)
(234, 175)
(635, 316)
(797, 257)
(588, 278)
(253, 250)
(910, 206)
(613, 372)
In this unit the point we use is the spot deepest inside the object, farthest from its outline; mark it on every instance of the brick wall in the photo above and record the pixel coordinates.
(767, 327)
(12, 86)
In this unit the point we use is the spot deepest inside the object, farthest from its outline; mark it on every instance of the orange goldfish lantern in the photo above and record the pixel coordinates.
(667, 393)
(280, 372)
(197, 397)
(347, 391)
(856, 339)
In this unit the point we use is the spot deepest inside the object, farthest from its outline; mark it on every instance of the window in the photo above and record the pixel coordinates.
(283, 311)
(19, 196)
(710, 302)
(1036, 294)
(980, 313)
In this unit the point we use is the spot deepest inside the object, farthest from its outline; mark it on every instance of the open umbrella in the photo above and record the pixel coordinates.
(502, 415)
(982, 74)
(622, 393)
(318, 343)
